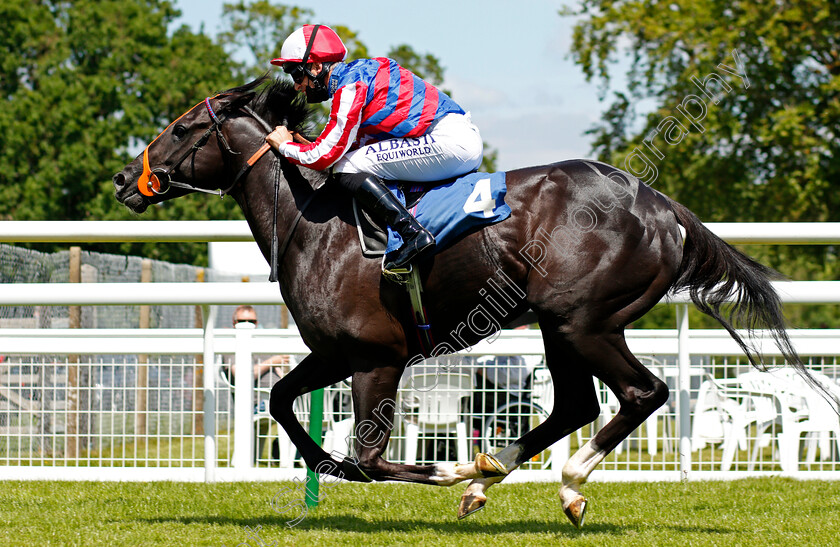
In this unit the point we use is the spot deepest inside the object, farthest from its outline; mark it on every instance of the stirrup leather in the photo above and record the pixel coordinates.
(410, 278)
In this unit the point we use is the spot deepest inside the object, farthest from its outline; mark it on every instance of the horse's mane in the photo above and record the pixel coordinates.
(276, 101)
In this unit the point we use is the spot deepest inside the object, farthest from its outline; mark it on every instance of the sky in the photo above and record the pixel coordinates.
(507, 63)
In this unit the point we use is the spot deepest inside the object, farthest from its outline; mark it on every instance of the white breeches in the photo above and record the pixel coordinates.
(452, 147)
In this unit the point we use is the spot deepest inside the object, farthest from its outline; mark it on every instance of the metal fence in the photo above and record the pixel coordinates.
(446, 409)
(130, 404)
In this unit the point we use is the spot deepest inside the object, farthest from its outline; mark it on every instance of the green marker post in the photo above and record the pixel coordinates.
(316, 422)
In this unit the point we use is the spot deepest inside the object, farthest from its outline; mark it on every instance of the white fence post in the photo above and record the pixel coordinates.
(243, 407)
(209, 394)
(684, 387)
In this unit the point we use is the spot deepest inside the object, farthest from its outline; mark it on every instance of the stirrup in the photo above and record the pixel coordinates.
(397, 275)
(409, 254)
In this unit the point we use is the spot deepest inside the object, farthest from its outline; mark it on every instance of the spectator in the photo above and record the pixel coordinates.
(277, 365)
(266, 373)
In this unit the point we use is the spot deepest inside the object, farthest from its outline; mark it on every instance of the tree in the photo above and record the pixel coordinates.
(746, 108)
(259, 28)
(85, 83)
(428, 67)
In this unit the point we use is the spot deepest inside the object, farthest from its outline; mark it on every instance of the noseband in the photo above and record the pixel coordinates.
(158, 181)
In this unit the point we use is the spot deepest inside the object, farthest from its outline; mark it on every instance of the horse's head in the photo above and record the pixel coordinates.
(187, 156)
(202, 150)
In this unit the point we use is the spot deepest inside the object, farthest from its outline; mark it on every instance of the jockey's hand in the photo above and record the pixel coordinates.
(279, 136)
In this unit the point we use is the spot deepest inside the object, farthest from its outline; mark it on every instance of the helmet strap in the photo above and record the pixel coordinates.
(305, 58)
(318, 90)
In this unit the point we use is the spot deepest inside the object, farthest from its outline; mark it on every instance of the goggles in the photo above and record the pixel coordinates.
(296, 71)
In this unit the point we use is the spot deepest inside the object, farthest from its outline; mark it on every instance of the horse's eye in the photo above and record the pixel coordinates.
(179, 132)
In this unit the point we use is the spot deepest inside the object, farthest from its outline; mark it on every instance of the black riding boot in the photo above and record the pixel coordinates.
(381, 203)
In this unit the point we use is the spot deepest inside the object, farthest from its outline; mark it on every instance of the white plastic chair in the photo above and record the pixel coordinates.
(542, 394)
(608, 402)
(761, 407)
(714, 413)
(818, 420)
(652, 422)
(433, 402)
(774, 404)
(337, 432)
(542, 389)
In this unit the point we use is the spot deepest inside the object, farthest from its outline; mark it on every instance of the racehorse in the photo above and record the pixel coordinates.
(587, 247)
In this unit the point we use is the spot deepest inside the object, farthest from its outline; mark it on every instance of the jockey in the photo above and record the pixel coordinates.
(385, 123)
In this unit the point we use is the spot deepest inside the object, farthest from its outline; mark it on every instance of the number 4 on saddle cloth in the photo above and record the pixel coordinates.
(449, 211)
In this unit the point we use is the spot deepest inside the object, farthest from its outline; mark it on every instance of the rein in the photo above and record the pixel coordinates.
(158, 181)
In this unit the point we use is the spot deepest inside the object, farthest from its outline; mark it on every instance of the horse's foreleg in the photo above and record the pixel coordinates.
(312, 373)
(374, 401)
(374, 406)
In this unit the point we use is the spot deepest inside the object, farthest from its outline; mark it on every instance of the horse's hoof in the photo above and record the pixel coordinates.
(576, 511)
(470, 503)
(489, 466)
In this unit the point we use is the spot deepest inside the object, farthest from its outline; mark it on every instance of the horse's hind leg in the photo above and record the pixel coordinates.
(572, 359)
(575, 405)
(639, 392)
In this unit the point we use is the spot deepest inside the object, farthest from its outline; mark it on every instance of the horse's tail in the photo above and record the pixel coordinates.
(714, 272)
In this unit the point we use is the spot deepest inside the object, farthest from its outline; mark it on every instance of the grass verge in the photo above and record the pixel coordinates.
(767, 511)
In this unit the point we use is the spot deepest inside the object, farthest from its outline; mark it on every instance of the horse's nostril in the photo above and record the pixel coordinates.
(119, 180)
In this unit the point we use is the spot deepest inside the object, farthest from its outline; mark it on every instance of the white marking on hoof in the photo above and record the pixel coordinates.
(575, 473)
(446, 474)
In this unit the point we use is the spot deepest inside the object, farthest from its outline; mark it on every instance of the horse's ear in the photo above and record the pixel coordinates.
(234, 100)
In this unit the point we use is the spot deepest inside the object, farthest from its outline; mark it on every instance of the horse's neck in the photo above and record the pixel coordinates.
(256, 198)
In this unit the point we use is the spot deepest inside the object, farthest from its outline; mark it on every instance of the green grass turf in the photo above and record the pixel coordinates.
(763, 511)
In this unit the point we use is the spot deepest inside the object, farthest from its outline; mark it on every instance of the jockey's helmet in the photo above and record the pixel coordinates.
(327, 47)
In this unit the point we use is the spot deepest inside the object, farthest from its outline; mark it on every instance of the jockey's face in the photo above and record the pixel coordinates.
(315, 69)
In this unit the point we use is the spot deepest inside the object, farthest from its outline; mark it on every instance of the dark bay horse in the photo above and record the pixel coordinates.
(588, 248)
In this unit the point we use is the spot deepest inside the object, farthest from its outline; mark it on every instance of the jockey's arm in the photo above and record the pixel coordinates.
(336, 138)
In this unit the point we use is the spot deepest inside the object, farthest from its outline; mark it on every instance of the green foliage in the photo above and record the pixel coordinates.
(426, 66)
(259, 28)
(87, 83)
(763, 145)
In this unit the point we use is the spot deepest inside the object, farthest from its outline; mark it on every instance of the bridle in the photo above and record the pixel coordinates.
(158, 181)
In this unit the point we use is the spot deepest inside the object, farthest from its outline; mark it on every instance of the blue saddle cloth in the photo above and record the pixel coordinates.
(449, 210)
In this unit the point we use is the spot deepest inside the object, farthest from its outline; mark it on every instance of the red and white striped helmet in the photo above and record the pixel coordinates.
(327, 48)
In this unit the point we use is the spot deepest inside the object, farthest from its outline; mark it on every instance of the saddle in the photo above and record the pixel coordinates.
(373, 234)
(448, 209)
